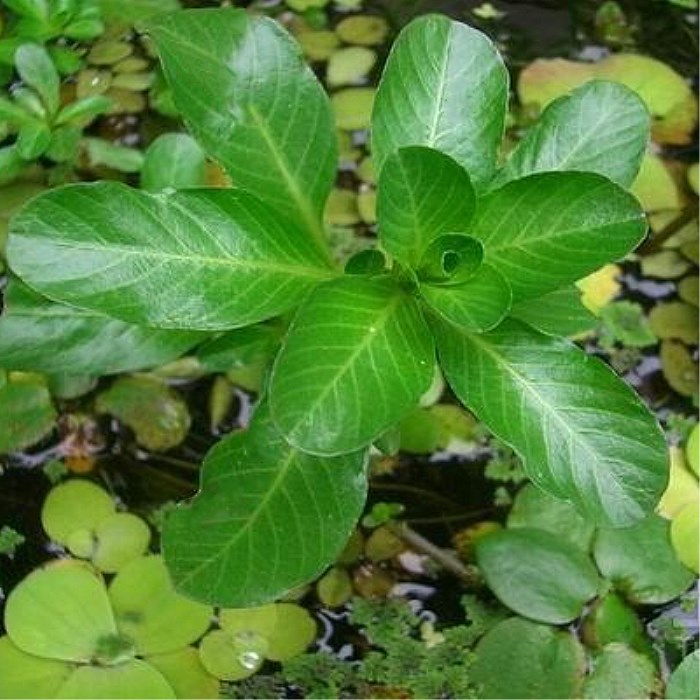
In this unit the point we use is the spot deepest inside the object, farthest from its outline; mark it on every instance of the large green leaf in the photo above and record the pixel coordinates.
(548, 229)
(254, 104)
(560, 312)
(422, 194)
(685, 680)
(621, 672)
(444, 86)
(601, 127)
(478, 304)
(197, 259)
(39, 334)
(357, 357)
(537, 573)
(583, 434)
(268, 518)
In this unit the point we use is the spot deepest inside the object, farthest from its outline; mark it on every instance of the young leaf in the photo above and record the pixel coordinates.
(450, 260)
(268, 518)
(38, 334)
(583, 434)
(422, 194)
(549, 229)
(173, 160)
(444, 86)
(537, 574)
(84, 110)
(557, 313)
(358, 356)
(37, 71)
(255, 106)
(197, 259)
(478, 304)
(601, 127)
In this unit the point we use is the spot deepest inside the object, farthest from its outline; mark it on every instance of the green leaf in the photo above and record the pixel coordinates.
(684, 682)
(173, 160)
(267, 519)
(521, 659)
(85, 110)
(422, 194)
(27, 413)
(558, 313)
(548, 229)
(37, 71)
(38, 9)
(27, 676)
(72, 631)
(641, 562)
(444, 86)
(255, 106)
(33, 139)
(535, 508)
(198, 259)
(583, 434)
(149, 611)
(112, 155)
(134, 679)
(478, 304)
(450, 260)
(620, 672)
(601, 127)
(134, 11)
(184, 672)
(537, 574)
(357, 358)
(38, 334)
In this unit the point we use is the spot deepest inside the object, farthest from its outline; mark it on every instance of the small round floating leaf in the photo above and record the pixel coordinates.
(679, 367)
(537, 574)
(287, 628)
(81, 543)
(156, 413)
(684, 682)
(335, 587)
(185, 674)
(232, 656)
(353, 108)
(684, 535)
(365, 30)
(620, 672)
(693, 449)
(682, 486)
(148, 609)
(23, 675)
(341, 208)
(120, 538)
(675, 319)
(132, 680)
(641, 562)
(75, 505)
(60, 612)
(349, 65)
(535, 508)
(521, 659)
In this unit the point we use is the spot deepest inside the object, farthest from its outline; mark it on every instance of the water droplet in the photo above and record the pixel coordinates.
(250, 660)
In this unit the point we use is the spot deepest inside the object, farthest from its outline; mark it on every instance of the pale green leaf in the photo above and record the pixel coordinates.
(684, 682)
(422, 194)
(27, 413)
(560, 312)
(548, 229)
(583, 434)
(37, 71)
(601, 127)
(173, 160)
(134, 679)
(357, 358)
(620, 672)
(268, 518)
(255, 106)
(197, 259)
(444, 86)
(537, 573)
(39, 334)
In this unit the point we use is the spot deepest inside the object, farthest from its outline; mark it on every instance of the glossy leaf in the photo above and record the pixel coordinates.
(173, 160)
(444, 86)
(39, 334)
(583, 434)
(450, 260)
(255, 106)
(537, 574)
(149, 611)
(601, 127)
(558, 313)
(134, 679)
(478, 304)
(69, 632)
(357, 357)
(549, 229)
(641, 562)
(197, 259)
(239, 348)
(267, 518)
(422, 194)
(521, 659)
